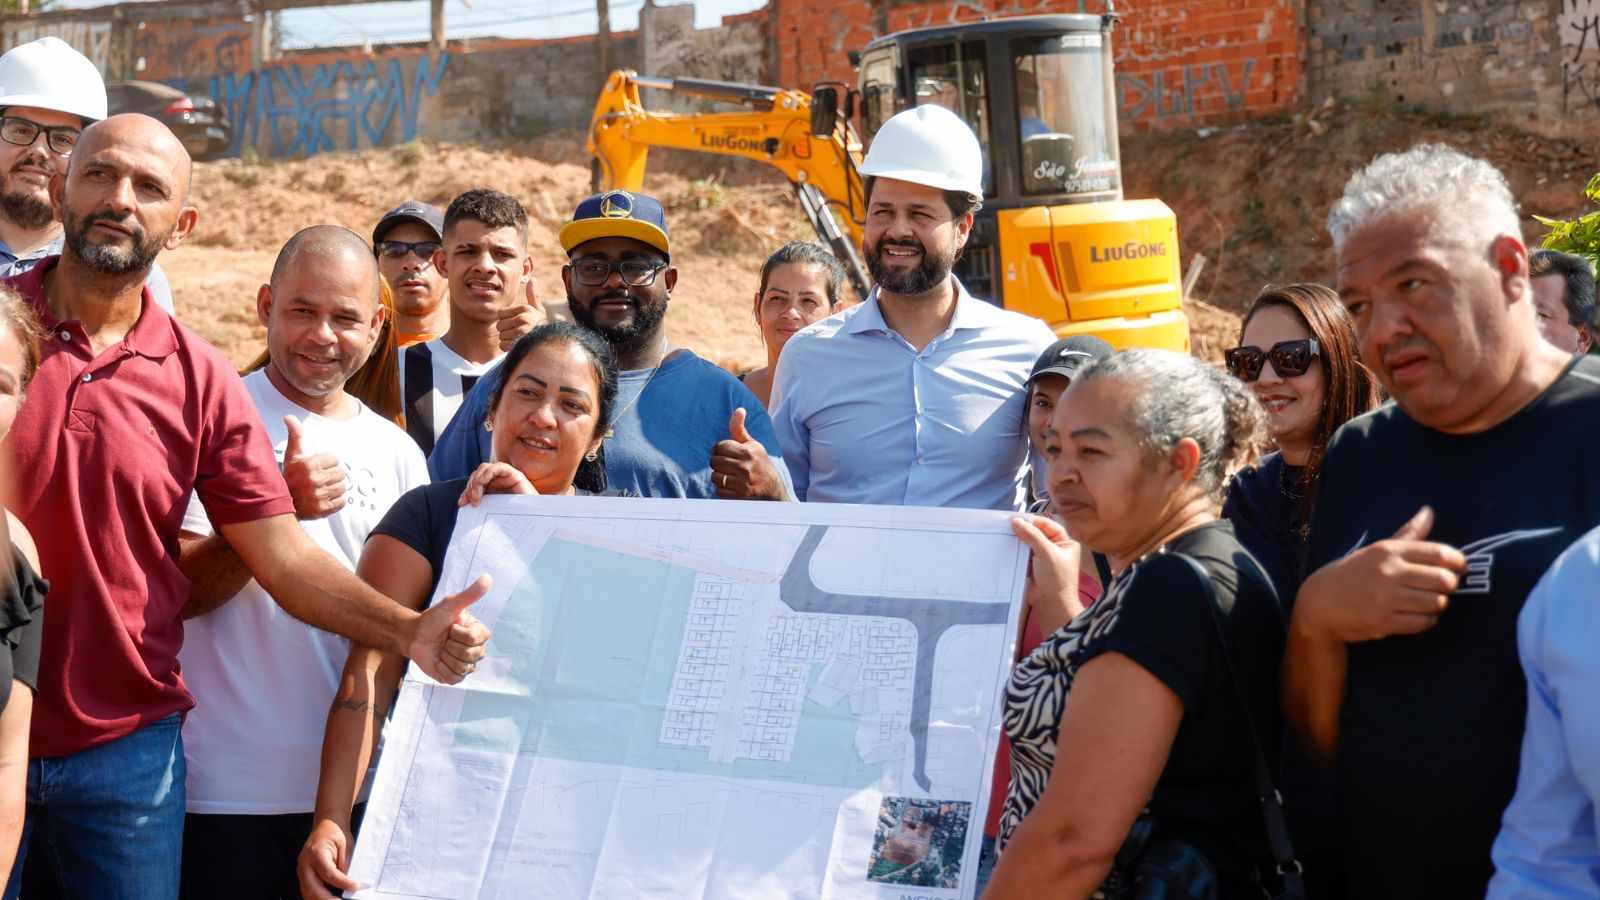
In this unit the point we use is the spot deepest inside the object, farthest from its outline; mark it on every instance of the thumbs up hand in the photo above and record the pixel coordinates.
(449, 641)
(316, 482)
(518, 319)
(740, 467)
(1401, 585)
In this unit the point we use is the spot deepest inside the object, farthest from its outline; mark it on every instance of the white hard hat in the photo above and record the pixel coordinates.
(927, 145)
(49, 74)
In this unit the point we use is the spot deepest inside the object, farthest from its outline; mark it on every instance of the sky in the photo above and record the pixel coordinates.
(408, 21)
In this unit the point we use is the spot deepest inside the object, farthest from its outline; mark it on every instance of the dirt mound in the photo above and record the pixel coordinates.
(1252, 199)
(248, 210)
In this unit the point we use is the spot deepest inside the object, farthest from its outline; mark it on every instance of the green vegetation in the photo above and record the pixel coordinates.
(1580, 235)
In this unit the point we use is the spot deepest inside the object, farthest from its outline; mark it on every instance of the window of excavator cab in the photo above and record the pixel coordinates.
(952, 75)
(1064, 112)
(877, 93)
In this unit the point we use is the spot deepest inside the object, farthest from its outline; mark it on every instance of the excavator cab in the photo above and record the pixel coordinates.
(1054, 238)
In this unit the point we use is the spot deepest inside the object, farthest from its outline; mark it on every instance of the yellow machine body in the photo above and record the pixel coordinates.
(1109, 269)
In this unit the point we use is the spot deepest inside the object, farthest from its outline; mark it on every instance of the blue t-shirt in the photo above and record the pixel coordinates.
(661, 441)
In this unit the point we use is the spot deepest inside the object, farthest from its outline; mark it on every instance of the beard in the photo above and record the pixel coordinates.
(26, 210)
(932, 271)
(108, 259)
(647, 316)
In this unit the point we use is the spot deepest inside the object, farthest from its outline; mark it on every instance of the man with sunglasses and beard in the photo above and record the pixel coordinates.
(683, 427)
(915, 397)
(49, 93)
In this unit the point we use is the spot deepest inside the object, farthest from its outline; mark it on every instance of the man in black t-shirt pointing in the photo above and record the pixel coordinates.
(1436, 516)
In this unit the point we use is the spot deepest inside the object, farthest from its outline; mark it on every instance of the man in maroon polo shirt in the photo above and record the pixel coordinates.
(128, 414)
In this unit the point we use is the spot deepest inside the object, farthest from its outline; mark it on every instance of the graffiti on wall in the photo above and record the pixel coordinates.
(1166, 93)
(344, 105)
(1580, 54)
(92, 39)
(181, 50)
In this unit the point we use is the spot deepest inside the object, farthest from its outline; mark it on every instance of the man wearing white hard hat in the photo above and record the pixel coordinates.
(49, 93)
(914, 397)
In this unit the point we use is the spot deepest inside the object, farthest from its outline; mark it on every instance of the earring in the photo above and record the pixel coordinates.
(488, 424)
(591, 456)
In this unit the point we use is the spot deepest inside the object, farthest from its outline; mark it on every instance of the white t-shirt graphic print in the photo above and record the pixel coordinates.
(263, 680)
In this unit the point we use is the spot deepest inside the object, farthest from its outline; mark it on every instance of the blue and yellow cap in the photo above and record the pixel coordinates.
(617, 214)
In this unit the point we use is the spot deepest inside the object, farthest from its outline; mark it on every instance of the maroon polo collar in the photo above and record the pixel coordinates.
(154, 335)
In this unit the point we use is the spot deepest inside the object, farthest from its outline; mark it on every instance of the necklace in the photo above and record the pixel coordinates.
(611, 431)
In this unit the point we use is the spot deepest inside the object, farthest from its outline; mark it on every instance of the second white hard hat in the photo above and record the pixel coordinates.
(49, 74)
(927, 145)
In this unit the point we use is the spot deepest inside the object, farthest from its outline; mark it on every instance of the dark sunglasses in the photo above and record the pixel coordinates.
(23, 132)
(637, 273)
(1289, 358)
(398, 249)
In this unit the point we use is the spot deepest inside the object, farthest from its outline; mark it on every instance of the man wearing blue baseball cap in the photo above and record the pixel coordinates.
(683, 427)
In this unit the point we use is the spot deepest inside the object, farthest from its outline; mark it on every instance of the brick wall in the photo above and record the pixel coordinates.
(1536, 60)
(1179, 62)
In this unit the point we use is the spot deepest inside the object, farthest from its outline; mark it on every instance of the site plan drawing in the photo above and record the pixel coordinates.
(705, 699)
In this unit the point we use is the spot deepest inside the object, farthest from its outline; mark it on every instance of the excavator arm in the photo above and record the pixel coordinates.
(776, 130)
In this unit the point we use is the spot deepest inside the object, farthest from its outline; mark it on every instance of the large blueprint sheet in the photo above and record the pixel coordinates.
(705, 699)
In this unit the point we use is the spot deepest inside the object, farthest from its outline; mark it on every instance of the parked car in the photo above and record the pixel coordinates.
(196, 119)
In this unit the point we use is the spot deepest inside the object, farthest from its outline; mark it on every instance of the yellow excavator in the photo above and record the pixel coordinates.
(1055, 238)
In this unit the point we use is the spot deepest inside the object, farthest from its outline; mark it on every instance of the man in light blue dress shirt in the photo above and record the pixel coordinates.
(915, 397)
(1547, 846)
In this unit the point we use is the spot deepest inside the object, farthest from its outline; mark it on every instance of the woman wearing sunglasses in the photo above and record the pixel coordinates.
(1298, 354)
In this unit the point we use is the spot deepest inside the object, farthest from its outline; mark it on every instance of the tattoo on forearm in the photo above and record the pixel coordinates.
(357, 706)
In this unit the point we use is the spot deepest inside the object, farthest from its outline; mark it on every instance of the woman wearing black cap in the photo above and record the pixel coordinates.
(1051, 374)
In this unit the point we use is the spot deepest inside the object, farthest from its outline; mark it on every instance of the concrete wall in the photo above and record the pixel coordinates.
(671, 47)
(1179, 62)
(349, 98)
(1537, 61)
(312, 103)
(175, 51)
(1578, 26)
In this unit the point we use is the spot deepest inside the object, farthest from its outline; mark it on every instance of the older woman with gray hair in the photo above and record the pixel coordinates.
(1159, 758)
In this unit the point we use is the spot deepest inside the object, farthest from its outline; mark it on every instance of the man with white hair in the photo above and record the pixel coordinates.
(1439, 513)
(914, 397)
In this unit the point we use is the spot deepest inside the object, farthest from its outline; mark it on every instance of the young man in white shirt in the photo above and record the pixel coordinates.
(263, 680)
(485, 259)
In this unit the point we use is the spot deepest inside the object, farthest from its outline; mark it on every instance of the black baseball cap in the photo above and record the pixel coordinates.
(411, 211)
(1071, 355)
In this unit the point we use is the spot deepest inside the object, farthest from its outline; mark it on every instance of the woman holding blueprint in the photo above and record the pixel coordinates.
(549, 414)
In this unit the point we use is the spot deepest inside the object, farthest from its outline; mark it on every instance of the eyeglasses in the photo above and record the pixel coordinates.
(23, 132)
(398, 249)
(1289, 358)
(634, 272)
